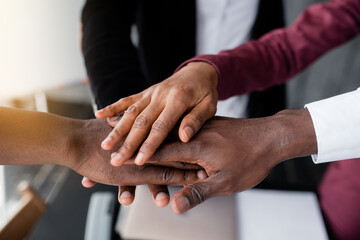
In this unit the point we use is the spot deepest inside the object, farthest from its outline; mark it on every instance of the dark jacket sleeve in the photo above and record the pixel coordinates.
(111, 59)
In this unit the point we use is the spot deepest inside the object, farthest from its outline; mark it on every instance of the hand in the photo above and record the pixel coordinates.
(237, 154)
(91, 162)
(191, 90)
(160, 193)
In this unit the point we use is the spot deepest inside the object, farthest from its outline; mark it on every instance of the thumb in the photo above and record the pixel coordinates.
(196, 118)
(192, 195)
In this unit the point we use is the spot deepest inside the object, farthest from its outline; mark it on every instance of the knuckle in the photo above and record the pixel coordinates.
(160, 126)
(198, 193)
(132, 110)
(111, 108)
(189, 176)
(166, 175)
(181, 164)
(212, 109)
(178, 92)
(180, 95)
(126, 147)
(116, 132)
(159, 90)
(226, 183)
(141, 121)
(196, 119)
(147, 147)
(122, 101)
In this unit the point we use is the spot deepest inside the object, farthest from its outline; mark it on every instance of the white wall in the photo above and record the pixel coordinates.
(39, 45)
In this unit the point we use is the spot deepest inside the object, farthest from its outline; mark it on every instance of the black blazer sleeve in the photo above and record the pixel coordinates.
(111, 60)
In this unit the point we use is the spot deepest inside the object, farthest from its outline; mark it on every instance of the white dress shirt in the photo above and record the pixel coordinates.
(337, 126)
(221, 25)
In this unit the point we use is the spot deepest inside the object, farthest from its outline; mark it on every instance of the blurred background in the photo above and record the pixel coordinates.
(41, 68)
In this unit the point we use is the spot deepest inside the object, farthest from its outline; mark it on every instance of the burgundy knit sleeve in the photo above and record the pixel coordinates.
(282, 53)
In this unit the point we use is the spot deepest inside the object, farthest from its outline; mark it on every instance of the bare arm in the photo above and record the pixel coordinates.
(36, 138)
(28, 138)
(237, 154)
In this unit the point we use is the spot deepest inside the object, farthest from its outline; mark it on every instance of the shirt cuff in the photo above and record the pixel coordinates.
(337, 126)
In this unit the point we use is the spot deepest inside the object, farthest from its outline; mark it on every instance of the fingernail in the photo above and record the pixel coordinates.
(115, 118)
(99, 112)
(106, 142)
(126, 195)
(116, 159)
(182, 204)
(113, 154)
(161, 196)
(84, 181)
(139, 159)
(201, 174)
(188, 132)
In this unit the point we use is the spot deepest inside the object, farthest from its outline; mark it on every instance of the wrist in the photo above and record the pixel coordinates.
(205, 68)
(296, 134)
(74, 144)
(85, 142)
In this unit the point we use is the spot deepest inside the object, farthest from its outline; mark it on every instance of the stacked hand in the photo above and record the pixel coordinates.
(92, 162)
(148, 117)
(237, 154)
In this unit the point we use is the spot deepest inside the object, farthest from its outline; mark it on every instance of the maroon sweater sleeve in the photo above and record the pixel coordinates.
(282, 53)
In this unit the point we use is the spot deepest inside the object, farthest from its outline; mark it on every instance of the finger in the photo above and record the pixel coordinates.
(117, 107)
(137, 134)
(152, 174)
(160, 194)
(196, 118)
(87, 182)
(159, 131)
(194, 194)
(124, 125)
(179, 165)
(126, 194)
(177, 152)
(113, 121)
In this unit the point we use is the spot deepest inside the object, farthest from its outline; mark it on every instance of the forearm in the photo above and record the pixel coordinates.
(111, 60)
(36, 138)
(327, 129)
(293, 133)
(282, 53)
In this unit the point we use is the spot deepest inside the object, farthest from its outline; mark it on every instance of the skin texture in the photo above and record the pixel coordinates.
(148, 117)
(29, 138)
(237, 154)
(160, 191)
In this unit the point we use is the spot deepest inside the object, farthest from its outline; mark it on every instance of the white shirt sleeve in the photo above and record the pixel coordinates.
(337, 126)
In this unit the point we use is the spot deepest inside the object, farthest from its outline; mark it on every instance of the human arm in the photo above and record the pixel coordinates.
(237, 154)
(111, 59)
(336, 122)
(158, 109)
(28, 138)
(253, 66)
(282, 53)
